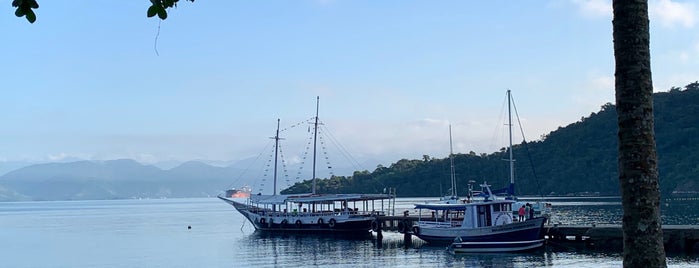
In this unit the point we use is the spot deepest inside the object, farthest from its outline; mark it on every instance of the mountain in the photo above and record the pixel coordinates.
(125, 178)
(579, 159)
(114, 179)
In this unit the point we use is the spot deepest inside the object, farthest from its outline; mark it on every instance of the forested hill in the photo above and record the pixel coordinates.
(580, 158)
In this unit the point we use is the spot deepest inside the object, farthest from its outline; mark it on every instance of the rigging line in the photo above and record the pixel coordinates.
(284, 170)
(250, 165)
(526, 148)
(324, 149)
(304, 122)
(345, 153)
(304, 155)
(498, 135)
(341, 148)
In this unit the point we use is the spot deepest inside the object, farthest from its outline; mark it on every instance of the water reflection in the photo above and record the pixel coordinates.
(529, 259)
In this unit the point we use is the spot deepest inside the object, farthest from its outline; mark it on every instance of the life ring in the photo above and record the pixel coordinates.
(298, 223)
(331, 223)
(502, 219)
(416, 230)
(375, 225)
(320, 220)
(262, 220)
(401, 227)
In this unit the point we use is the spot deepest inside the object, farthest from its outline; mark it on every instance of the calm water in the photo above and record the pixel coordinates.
(154, 233)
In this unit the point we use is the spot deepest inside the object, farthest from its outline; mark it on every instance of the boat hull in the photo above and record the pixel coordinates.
(305, 223)
(519, 231)
(485, 247)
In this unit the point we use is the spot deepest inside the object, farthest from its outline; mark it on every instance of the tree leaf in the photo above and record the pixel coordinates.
(31, 17)
(34, 4)
(152, 10)
(162, 14)
(19, 12)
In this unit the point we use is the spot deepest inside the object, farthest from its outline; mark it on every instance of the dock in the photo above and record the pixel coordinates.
(603, 237)
(677, 238)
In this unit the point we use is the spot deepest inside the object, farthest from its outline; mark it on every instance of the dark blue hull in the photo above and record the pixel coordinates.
(521, 231)
(354, 226)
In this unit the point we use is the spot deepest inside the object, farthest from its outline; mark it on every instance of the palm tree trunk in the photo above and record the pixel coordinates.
(638, 169)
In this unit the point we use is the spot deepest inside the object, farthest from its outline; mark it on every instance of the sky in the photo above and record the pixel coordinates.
(98, 80)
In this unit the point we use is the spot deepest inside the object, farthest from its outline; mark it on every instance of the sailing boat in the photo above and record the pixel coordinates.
(484, 225)
(540, 208)
(312, 212)
(453, 198)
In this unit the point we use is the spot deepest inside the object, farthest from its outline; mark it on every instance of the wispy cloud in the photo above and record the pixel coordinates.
(594, 8)
(667, 13)
(671, 14)
(598, 89)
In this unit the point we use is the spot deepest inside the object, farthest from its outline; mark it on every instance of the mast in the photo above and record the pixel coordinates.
(451, 158)
(276, 152)
(315, 135)
(511, 189)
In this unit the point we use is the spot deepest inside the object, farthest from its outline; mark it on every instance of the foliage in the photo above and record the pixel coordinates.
(158, 7)
(26, 8)
(579, 159)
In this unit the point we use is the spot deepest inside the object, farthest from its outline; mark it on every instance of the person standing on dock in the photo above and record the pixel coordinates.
(531, 211)
(526, 211)
(521, 213)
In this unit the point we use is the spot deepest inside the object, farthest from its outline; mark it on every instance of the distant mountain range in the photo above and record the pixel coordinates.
(128, 179)
(114, 179)
(579, 159)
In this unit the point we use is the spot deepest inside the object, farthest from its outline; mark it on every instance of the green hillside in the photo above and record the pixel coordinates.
(580, 158)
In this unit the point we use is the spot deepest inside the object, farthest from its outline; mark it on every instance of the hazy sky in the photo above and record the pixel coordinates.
(85, 81)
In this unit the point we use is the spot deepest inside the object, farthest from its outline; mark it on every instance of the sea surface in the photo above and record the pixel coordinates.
(156, 233)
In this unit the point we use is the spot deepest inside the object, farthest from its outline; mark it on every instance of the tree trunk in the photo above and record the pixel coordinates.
(638, 169)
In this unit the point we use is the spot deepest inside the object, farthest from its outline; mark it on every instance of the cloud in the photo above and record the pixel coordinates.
(666, 12)
(66, 157)
(670, 14)
(598, 89)
(594, 8)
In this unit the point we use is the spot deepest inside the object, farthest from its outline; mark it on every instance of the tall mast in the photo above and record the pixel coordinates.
(451, 158)
(276, 152)
(315, 135)
(512, 161)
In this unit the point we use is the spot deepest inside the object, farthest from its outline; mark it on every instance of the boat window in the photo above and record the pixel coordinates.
(481, 216)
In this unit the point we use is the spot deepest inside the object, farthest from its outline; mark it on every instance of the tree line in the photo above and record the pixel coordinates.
(578, 159)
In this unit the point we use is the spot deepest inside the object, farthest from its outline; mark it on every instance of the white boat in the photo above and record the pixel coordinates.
(489, 220)
(312, 212)
(487, 247)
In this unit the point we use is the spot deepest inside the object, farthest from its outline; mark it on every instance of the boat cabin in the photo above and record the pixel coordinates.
(470, 215)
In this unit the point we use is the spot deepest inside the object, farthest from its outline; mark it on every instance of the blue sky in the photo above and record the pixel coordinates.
(88, 80)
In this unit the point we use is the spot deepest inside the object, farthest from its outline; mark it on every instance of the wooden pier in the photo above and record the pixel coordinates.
(677, 238)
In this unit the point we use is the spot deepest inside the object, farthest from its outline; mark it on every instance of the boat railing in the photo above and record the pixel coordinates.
(439, 224)
(327, 213)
